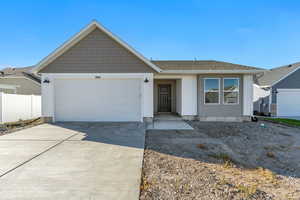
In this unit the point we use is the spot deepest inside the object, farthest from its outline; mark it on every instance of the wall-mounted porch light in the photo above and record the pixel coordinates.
(46, 81)
(146, 80)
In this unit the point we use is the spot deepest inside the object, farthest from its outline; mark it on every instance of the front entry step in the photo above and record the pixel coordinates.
(169, 125)
(167, 117)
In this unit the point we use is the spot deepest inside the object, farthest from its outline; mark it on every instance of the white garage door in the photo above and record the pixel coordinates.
(288, 103)
(97, 100)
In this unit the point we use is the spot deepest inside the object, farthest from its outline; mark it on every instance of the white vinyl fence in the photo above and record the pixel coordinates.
(15, 107)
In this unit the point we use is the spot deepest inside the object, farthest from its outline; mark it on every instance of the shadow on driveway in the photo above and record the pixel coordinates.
(130, 134)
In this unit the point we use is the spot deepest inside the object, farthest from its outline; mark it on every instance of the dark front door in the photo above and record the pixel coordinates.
(164, 98)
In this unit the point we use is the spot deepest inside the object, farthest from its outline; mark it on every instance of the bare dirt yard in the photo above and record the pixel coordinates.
(222, 161)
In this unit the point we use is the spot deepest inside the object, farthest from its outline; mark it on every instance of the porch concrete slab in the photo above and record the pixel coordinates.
(171, 117)
(102, 161)
(169, 125)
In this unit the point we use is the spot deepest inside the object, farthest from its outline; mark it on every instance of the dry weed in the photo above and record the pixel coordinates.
(247, 190)
(201, 146)
(268, 175)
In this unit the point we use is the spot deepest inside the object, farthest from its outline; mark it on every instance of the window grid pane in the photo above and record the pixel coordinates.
(231, 91)
(212, 91)
(231, 84)
(231, 97)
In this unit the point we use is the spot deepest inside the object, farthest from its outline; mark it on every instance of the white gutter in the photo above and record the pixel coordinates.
(212, 71)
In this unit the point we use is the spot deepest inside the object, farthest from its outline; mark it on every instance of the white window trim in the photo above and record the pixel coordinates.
(219, 102)
(223, 90)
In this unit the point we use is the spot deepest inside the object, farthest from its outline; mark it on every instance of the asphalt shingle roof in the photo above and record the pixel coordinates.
(19, 72)
(275, 74)
(200, 65)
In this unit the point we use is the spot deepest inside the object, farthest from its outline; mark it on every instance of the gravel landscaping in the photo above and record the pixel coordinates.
(11, 127)
(222, 161)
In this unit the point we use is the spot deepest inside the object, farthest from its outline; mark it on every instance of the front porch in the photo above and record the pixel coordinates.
(166, 96)
(176, 95)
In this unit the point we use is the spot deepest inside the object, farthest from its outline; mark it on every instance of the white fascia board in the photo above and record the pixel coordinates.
(172, 76)
(262, 87)
(76, 38)
(265, 86)
(212, 71)
(285, 76)
(97, 75)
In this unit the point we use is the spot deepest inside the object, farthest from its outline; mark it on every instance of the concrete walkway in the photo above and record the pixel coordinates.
(168, 122)
(169, 125)
(72, 161)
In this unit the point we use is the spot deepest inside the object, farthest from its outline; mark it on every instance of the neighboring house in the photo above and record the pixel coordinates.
(19, 81)
(95, 76)
(260, 100)
(283, 85)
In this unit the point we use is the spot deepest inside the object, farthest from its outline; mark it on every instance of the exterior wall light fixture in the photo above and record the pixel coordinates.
(46, 81)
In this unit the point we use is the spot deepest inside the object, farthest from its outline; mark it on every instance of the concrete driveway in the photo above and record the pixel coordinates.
(72, 161)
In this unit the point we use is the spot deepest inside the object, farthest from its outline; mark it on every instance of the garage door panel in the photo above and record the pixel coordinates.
(98, 100)
(288, 103)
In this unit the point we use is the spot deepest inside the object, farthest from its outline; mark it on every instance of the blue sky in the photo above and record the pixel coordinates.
(262, 33)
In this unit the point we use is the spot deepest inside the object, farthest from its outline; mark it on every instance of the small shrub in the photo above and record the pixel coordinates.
(270, 154)
(227, 160)
(201, 146)
(222, 156)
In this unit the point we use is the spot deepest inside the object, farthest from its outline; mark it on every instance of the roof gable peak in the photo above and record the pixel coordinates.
(79, 36)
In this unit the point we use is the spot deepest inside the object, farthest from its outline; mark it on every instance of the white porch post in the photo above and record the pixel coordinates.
(248, 95)
(47, 96)
(148, 107)
(189, 95)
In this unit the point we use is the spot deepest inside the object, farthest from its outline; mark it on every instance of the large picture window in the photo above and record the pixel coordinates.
(231, 90)
(211, 90)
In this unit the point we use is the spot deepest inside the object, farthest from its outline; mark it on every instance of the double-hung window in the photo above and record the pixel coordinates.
(231, 90)
(211, 90)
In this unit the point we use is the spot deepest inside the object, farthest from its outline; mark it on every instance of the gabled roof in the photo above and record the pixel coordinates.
(76, 38)
(204, 66)
(20, 72)
(274, 75)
